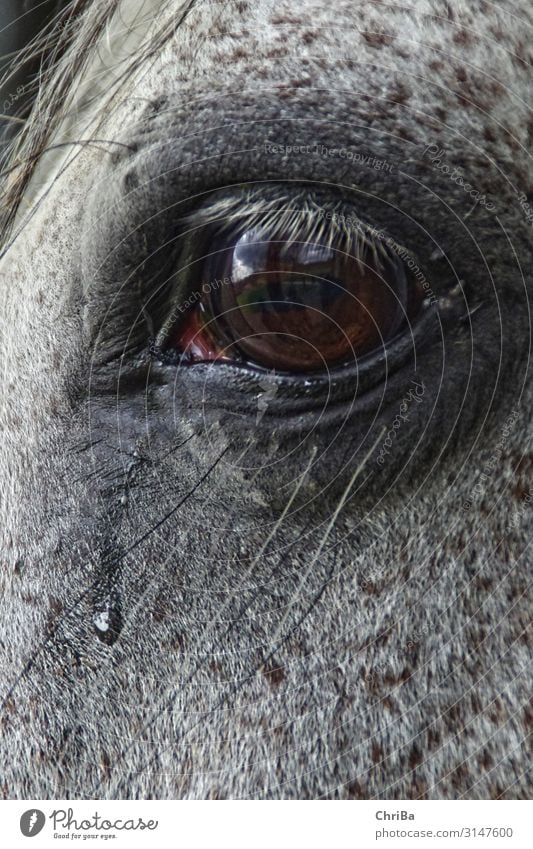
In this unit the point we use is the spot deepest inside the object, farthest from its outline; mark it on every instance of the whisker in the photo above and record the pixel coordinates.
(221, 610)
(90, 588)
(177, 506)
(78, 142)
(12, 119)
(286, 509)
(342, 501)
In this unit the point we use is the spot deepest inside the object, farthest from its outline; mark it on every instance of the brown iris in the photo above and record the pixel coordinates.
(293, 306)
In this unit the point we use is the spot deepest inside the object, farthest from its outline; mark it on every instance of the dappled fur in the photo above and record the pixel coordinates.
(286, 617)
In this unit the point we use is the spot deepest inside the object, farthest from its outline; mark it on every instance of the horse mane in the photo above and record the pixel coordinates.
(61, 51)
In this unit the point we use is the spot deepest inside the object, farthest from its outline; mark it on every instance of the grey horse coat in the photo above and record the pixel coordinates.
(221, 584)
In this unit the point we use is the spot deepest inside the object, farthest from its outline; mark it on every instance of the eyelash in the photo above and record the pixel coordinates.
(273, 214)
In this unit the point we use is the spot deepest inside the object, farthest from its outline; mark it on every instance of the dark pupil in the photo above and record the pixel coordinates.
(301, 306)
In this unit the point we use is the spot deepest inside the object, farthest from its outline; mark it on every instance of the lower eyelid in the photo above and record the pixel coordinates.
(241, 383)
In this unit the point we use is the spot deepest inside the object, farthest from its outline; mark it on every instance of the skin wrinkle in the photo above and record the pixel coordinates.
(411, 684)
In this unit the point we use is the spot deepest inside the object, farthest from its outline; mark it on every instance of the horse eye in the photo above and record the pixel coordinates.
(291, 304)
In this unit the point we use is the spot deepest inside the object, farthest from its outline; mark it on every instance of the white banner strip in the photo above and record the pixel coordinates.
(268, 825)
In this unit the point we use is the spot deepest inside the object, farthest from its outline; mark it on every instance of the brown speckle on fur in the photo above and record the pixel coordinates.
(378, 39)
(275, 675)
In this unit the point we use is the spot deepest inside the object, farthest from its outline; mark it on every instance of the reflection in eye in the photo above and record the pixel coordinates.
(279, 293)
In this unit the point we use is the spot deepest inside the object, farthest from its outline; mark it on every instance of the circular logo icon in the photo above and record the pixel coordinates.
(32, 822)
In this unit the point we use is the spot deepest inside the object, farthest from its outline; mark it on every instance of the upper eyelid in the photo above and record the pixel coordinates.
(137, 247)
(274, 210)
(296, 215)
(277, 211)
